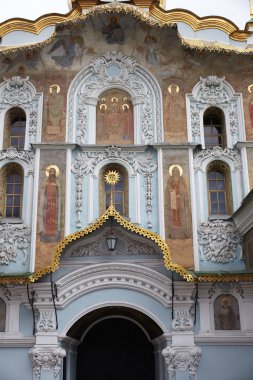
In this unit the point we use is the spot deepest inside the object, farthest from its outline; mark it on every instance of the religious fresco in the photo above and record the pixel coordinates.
(226, 313)
(174, 110)
(114, 33)
(114, 118)
(51, 203)
(55, 107)
(177, 214)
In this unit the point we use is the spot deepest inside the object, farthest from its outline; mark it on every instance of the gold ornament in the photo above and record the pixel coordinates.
(112, 177)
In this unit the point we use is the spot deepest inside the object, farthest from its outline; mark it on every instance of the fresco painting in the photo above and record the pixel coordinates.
(115, 118)
(177, 207)
(51, 204)
(226, 313)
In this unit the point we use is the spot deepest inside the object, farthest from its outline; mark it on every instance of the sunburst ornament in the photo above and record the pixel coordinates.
(112, 177)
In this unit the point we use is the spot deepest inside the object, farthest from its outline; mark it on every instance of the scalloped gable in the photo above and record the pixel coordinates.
(223, 34)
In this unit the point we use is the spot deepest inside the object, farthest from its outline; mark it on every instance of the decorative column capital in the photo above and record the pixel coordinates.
(46, 360)
(182, 359)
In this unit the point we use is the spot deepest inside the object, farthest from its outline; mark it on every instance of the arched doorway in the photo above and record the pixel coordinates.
(115, 349)
(115, 344)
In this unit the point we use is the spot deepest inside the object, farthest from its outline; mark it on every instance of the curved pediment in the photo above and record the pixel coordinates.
(132, 241)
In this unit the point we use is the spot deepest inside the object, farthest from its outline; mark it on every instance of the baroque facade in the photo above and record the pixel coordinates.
(132, 91)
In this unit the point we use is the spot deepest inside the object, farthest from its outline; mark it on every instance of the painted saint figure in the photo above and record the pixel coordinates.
(51, 209)
(226, 313)
(113, 31)
(177, 204)
(54, 109)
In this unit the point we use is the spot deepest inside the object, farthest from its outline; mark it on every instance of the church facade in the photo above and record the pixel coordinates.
(126, 226)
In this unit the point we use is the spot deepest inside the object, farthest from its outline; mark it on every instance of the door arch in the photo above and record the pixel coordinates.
(115, 344)
(115, 349)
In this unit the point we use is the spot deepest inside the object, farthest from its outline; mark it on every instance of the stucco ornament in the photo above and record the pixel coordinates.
(182, 359)
(126, 246)
(217, 152)
(214, 91)
(17, 91)
(12, 239)
(182, 320)
(115, 69)
(46, 321)
(218, 241)
(85, 163)
(46, 360)
(19, 155)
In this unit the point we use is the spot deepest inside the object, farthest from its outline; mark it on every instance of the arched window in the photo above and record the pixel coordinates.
(219, 189)
(15, 123)
(214, 128)
(11, 191)
(119, 191)
(115, 118)
(2, 315)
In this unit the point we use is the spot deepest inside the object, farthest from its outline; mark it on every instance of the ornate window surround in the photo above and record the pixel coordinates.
(114, 70)
(215, 92)
(20, 92)
(202, 160)
(26, 160)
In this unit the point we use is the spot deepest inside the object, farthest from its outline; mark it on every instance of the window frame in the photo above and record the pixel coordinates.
(214, 112)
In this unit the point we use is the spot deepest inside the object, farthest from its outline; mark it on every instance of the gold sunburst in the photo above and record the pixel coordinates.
(112, 177)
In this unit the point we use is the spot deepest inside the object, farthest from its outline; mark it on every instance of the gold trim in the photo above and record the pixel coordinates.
(213, 46)
(160, 19)
(110, 212)
(39, 24)
(198, 23)
(225, 278)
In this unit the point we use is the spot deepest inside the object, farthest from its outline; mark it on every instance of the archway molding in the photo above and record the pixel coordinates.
(114, 70)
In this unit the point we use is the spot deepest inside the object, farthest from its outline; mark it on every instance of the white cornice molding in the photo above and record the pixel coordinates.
(53, 146)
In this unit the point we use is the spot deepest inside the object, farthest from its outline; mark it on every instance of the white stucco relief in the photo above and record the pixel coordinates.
(114, 70)
(219, 241)
(141, 163)
(14, 238)
(20, 92)
(182, 359)
(213, 91)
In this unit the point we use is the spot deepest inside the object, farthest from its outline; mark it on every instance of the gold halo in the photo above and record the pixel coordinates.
(170, 88)
(112, 177)
(178, 167)
(57, 170)
(58, 88)
(249, 88)
(225, 300)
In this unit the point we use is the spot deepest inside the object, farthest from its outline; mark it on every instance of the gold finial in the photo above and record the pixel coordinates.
(111, 178)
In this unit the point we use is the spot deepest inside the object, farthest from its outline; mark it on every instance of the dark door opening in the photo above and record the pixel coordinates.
(115, 349)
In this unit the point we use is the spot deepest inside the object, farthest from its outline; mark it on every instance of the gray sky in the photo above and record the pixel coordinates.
(236, 10)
